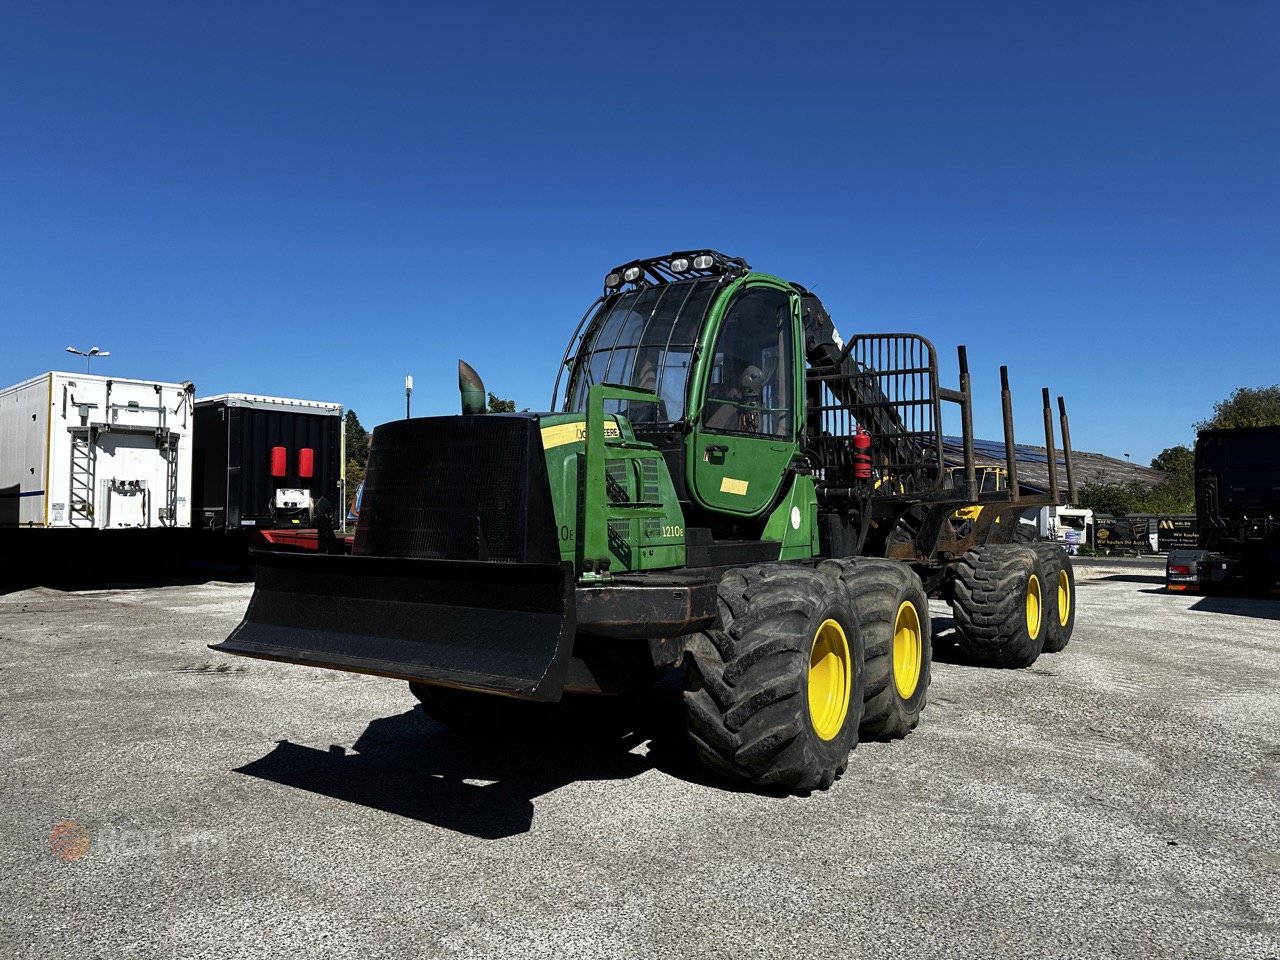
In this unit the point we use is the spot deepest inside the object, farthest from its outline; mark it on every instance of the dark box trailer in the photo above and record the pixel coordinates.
(84, 452)
(1237, 514)
(265, 462)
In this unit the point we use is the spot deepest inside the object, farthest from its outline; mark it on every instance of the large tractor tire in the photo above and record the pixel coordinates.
(774, 696)
(999, 602)
(1060, 595)
(889, 602)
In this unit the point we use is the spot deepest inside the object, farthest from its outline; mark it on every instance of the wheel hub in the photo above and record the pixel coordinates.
(1034, 604)
(830, 680)
(908, 649)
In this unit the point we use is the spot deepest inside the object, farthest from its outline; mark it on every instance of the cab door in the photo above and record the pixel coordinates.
(748, 388)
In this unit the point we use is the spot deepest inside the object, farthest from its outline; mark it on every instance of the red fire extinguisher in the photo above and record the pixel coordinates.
(861, 455)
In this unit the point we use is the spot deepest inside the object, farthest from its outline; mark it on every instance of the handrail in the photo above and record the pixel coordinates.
(595, 525)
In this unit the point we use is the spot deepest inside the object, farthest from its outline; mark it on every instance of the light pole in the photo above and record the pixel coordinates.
(408, 392)
(88, 357)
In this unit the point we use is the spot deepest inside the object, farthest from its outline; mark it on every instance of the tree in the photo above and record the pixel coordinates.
(1115, 499)
(1175, 461)
(1174, 494)
(1246, 407)
(357, 440)
(1177, 492)
(498, 405)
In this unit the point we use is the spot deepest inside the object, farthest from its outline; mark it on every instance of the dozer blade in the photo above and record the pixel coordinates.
(504, 628)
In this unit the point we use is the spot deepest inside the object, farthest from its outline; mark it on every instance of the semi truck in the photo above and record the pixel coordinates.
(1237, 479)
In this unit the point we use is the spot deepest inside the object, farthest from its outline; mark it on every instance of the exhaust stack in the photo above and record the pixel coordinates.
(472, 389)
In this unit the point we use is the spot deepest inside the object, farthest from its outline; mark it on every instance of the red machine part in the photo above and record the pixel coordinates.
(862, 455)
(279, 461)
(306, 463)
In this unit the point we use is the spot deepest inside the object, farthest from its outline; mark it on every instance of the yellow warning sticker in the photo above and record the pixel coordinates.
(730, 485)
(563, 433)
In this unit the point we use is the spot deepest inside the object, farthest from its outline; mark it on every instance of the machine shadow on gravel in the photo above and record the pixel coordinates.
(1262, 608)
(946, 646)
(947, 649)
(1132, 578)
(410, 766)
(1240, 602)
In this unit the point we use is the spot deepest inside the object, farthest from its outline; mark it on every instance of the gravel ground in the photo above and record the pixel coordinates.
(1118, 799)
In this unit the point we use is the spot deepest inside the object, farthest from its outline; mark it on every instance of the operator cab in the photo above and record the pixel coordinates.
(716, 344)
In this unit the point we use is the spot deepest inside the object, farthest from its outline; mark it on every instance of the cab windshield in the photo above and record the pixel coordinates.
(643, 338)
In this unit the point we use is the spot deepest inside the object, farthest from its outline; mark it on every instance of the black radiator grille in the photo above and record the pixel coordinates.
(458, 488)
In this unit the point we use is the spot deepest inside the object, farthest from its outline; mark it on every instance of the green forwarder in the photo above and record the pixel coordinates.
(725, 484)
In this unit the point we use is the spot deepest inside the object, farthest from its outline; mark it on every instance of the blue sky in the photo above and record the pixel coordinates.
(314, 199)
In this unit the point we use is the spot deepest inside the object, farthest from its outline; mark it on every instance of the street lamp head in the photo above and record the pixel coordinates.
(89, 355)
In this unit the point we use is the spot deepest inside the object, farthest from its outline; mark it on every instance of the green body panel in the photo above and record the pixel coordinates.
(613, 498)
(733, 474)
(795, 521)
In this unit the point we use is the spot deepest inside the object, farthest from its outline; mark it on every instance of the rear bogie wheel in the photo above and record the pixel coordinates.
(1060, 596)
(773, 697)
(889, 602)
(999, 602)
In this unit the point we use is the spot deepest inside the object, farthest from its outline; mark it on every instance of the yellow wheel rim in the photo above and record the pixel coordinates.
(1064, 598)
(830, 680)
(908, 649)
(1034, 605)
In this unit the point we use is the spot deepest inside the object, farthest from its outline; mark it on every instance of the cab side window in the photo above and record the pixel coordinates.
(750, 391)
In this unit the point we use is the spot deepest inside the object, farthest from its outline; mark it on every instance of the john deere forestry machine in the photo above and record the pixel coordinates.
(727, 485)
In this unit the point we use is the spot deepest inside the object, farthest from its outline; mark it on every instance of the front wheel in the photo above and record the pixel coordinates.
(774, 696)
(893, 617)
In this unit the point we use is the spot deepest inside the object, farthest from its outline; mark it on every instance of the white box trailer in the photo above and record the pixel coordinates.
(89, 452)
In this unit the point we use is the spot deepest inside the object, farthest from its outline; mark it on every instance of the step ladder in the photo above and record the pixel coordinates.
(84, 463)
(167, 441)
